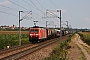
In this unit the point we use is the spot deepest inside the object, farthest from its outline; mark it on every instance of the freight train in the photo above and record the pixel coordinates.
(40, 34)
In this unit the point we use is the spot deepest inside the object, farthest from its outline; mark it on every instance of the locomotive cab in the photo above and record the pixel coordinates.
(37, 34)
(33, 35)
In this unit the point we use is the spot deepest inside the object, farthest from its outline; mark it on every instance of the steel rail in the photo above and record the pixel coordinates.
(10, 50)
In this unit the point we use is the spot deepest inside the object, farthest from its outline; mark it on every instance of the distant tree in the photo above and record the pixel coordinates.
(8, 29)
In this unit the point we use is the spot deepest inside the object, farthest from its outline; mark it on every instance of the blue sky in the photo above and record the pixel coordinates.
(76, 12)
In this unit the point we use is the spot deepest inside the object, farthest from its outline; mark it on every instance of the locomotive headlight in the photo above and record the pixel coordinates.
(36, 34)
(30, 34)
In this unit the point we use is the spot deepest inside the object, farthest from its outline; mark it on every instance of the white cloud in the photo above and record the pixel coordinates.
(87, 18)
(5, 2)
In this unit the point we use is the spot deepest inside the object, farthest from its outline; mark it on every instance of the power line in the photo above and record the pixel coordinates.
(17, 5)
(29, 4)
(38, 15)
(45, 9)
(23, 7)
(34, 7)
(26, 2)
(53, 4)
(8, 7)
(32, 11)
(40, 4)
(9, 13)
(15, 10)
(37, 7)
(27, 15)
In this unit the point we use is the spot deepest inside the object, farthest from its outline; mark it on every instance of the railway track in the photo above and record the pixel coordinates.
(14, 50)
(19, 52)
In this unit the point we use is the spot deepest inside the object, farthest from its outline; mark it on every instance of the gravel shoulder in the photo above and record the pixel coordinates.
(77, 50)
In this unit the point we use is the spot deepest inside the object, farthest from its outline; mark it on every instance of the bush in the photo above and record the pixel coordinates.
(12, 40)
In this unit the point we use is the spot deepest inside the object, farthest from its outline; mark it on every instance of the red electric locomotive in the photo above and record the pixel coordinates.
(37, 34)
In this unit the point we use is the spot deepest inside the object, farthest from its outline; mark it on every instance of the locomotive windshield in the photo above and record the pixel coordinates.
(34, 30)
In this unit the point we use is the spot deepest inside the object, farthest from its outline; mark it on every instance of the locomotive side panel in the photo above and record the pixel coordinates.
(43, 34)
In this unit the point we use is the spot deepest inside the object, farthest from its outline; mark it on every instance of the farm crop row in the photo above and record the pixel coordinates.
(85, 36)
(12, 40)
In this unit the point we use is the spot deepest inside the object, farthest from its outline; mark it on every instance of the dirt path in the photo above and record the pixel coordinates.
(78, 49)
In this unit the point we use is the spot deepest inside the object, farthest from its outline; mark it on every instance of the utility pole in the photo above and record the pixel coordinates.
(67, 24)
(55, 26)
(19, 29)
(46, 24)
(60, 25)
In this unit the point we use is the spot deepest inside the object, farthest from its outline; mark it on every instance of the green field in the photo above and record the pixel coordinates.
(11, 38)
